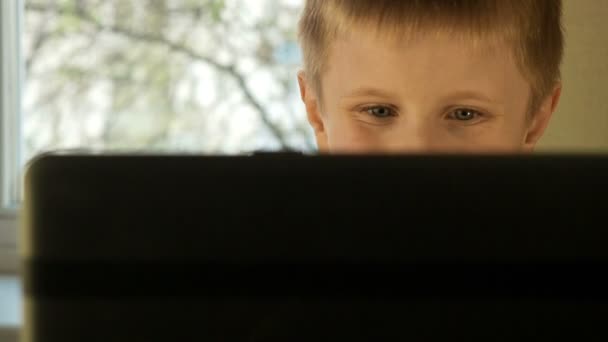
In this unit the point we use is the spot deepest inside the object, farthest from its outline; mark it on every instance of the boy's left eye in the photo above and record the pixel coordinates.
(465, 114)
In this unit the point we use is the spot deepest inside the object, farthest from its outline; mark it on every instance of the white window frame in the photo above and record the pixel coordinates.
(11, 76)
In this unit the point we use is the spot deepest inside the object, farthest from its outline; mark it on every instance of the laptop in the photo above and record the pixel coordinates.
(291, 247)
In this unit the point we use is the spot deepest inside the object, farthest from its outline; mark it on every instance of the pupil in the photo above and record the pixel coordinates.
(381, 111)
(464, 114)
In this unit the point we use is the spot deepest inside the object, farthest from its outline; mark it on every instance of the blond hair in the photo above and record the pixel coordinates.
(532, 28)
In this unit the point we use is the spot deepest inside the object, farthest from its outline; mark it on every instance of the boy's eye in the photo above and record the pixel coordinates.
(464, 114)
(380, 111)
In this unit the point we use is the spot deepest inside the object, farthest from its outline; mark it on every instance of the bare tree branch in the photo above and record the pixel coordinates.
(39, 39)
(175, 47)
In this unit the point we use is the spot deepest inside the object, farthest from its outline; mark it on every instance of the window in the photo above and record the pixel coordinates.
(11, 74)
(205, 76)
(10, 99)
(212, 76)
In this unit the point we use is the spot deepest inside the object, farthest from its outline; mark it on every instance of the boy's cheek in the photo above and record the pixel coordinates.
(352, 137)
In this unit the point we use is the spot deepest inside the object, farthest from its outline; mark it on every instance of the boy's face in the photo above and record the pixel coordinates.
(431, 95)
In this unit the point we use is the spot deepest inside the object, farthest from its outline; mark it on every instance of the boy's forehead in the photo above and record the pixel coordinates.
(407, 39)
(374, 51)
(427, 62)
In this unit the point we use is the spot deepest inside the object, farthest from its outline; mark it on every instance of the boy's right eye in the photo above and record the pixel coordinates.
(380, 112)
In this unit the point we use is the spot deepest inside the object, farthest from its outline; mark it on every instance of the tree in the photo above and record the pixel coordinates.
(209, 76)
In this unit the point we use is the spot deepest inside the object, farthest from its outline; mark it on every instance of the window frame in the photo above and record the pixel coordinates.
(11, 76)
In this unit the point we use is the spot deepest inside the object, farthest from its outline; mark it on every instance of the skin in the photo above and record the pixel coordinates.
(430, 95)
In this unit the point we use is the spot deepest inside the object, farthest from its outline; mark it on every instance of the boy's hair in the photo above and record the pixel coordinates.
(531, 28)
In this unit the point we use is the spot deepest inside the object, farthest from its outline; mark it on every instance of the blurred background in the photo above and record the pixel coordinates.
(581, 121)
(205, 76)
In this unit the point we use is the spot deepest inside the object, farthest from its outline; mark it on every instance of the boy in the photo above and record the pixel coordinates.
(432, 75)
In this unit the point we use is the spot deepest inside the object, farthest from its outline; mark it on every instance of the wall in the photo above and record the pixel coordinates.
(581, 122)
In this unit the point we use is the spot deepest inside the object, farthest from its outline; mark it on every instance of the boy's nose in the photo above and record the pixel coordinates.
(416, 139)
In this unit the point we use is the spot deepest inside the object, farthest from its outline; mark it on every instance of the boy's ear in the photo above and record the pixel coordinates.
(540, 119)
(313, 112)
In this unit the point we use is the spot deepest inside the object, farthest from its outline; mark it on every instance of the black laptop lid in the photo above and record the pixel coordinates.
(312, 247)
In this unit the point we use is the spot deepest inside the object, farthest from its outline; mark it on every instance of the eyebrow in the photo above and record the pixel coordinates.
(470, 95)
(462, 94)
(360, 92)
